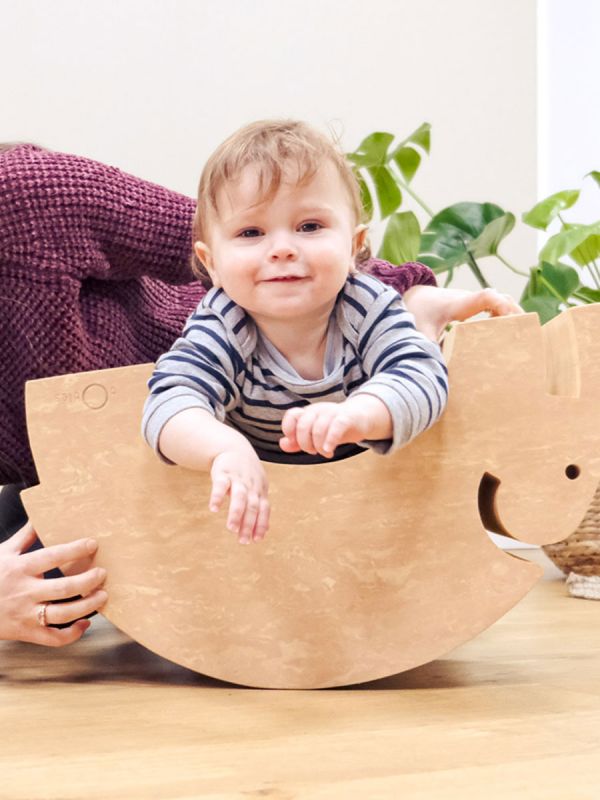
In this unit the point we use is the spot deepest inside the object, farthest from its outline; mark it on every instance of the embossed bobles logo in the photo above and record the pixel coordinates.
(94, 396)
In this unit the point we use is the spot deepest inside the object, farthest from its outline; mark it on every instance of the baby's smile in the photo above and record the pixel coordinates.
(285, 278)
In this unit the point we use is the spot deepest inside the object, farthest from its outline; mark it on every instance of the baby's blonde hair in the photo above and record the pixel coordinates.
(270, 146)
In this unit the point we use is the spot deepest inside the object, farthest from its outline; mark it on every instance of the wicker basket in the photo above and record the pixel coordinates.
(578, 556)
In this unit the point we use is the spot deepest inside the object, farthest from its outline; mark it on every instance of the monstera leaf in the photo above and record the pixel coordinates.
(581, 242)
(387, 171)
(371, 155)
(542, 214)
(549, 289)
(406, 157)
(401, 239)
(463, 232)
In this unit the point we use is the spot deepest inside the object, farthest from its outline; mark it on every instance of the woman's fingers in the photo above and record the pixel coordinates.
(57, 555)
(61, 588)
(55, 637)
(22, 539)
(63, 613)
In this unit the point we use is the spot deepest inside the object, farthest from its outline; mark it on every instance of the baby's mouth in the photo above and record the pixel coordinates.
(285, 278)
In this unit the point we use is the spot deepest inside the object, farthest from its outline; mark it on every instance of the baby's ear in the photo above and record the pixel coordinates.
(359, 238)
(203, 254)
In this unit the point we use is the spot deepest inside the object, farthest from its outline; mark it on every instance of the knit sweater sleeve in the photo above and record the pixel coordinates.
(401, 277)
(89, 220)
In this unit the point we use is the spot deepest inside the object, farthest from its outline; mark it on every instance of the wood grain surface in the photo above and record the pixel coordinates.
(373, 565)
(512, 714)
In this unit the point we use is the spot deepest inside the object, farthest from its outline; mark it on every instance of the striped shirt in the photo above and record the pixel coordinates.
(223, 364)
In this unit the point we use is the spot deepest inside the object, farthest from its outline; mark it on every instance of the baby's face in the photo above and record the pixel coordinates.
(287, 257)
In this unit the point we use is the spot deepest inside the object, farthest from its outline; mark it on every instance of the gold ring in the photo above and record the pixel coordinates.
(41, 615)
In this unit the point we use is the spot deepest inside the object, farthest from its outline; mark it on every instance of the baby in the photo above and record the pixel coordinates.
(293, 350)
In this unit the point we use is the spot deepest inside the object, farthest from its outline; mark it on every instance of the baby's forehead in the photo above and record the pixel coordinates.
(255, 185)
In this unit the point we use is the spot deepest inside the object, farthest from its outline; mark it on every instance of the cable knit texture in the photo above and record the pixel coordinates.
(94, 273)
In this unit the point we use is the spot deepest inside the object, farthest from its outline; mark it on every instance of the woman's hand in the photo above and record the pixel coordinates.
(434, 308)
(242, 476)
(26, 607)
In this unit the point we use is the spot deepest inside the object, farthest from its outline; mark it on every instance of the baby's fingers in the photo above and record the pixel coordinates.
(336, 434)
(220, 487)
(247, 526)
(237, 506)
(289, 425)
(262, 521)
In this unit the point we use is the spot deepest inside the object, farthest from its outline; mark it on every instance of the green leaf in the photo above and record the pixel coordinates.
(542, 214)
(595, 175)
(538, 298)
(587, 295)
(372, 151)
(460, 231)
(486, 244)
(561, 277)
(421, 137)
(546, 306)
(587, 251)
(401, 239)
(365, 197)
(567, 241)
(408, 161)
(388, 194)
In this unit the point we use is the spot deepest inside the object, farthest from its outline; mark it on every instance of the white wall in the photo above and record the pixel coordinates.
(153, 86)
(569, 107)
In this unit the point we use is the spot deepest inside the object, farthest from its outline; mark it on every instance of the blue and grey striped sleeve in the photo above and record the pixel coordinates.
(199, 371)
(404, 369)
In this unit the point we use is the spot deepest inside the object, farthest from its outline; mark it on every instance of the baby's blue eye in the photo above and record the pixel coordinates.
(249, 233)
(310, 227)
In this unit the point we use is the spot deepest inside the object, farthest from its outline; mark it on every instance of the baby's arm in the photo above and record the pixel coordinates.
(434, 309)
(194, 439)
(405, 393)
(192, 388)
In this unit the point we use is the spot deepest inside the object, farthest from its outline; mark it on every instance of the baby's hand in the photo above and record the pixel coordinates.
(242, 476)
(321, 427)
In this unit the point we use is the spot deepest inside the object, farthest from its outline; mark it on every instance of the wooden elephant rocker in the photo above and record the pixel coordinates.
(372, 565)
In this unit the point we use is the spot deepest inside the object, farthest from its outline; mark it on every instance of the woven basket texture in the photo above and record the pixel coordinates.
(580, 552)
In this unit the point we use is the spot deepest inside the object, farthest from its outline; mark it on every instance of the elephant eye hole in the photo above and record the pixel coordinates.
(572, 472)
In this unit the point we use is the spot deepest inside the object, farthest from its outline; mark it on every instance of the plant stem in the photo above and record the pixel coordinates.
(474, 267)
(581, 297)
(595, 272)
(415, 197)
(510, 266)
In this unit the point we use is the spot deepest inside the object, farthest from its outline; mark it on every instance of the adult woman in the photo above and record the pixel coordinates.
(94, 273)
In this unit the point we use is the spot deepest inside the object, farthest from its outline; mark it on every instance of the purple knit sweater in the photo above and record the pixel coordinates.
(94, 273)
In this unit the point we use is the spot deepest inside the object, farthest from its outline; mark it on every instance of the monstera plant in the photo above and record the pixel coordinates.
(465, 232)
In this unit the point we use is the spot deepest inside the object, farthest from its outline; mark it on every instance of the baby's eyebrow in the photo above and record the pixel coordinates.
(315, 207)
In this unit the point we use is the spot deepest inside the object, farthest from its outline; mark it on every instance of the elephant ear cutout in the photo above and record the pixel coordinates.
(372, 565)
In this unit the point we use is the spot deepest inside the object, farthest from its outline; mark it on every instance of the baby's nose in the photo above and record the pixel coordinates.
(282, 249)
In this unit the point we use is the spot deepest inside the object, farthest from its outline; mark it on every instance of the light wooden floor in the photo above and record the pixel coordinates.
(513, 714)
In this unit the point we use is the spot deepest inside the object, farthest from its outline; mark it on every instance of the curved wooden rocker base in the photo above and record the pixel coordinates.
(372, 565)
